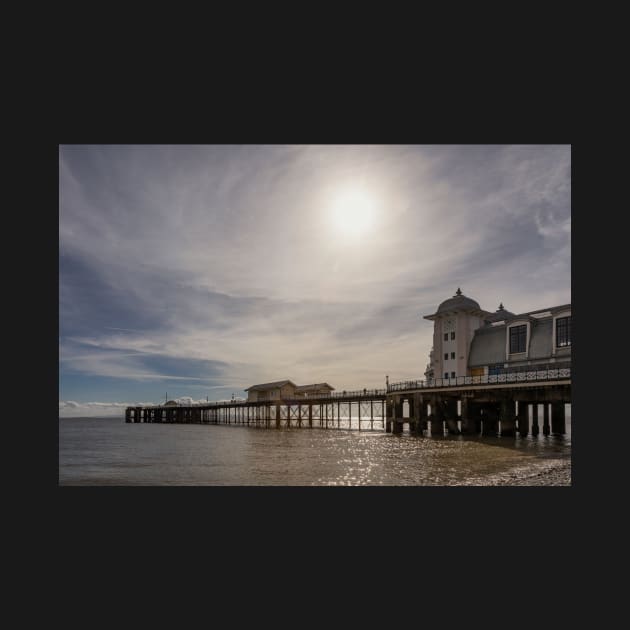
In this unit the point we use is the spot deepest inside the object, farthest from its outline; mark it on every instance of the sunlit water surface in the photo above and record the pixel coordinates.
(107, 451)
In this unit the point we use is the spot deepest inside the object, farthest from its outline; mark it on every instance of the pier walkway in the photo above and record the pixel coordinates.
(505, 404)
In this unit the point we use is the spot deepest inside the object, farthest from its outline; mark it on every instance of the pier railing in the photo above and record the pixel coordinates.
(458, 381)
(354, 394)
(358, 393)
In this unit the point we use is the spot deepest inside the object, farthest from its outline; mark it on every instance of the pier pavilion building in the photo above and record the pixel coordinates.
(470, 341)
(287, 389)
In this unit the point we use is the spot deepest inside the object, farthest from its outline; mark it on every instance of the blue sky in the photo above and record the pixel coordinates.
(201, 270)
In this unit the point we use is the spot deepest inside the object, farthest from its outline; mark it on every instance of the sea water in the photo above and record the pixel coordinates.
(108, 451)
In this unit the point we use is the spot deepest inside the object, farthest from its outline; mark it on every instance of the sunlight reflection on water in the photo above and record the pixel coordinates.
(97, 451)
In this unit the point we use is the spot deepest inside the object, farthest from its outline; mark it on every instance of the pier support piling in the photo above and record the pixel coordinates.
(490, 420)
(389, 407)
(546, 425)
(507, 417)
(535, 427)
(558, 418)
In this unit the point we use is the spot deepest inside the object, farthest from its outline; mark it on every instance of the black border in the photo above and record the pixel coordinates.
(482, 526)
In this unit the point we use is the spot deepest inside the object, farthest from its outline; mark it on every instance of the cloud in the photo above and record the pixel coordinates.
(219, 266)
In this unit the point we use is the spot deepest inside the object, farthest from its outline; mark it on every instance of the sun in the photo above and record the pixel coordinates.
(353, 212)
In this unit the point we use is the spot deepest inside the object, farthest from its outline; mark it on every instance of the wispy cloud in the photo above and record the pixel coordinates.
(219, 266)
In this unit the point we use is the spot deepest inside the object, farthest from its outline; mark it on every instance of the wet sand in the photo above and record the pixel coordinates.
(557, 476)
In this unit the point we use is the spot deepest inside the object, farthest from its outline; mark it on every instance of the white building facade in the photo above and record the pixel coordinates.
(469, 341)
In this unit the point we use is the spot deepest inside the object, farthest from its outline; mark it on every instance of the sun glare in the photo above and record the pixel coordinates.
(353, 212)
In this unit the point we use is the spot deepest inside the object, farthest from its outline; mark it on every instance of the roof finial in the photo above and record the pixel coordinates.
(458, 292)
(501, 307)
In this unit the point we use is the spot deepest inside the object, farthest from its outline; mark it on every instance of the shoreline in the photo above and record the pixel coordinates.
(556, 476)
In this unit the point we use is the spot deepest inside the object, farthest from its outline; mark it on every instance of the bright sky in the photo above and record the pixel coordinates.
(201, 270)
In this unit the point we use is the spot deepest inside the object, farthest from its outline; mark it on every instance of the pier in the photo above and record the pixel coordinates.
(325, 412)
(473, 405)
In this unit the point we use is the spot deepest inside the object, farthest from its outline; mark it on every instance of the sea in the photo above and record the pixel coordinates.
(109, 452)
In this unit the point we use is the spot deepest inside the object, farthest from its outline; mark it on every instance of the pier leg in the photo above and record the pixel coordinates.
(523, 419)
(389, 415)
(423, 423)
(451, 418)
(546, 426)
(417, 413)
(450, 409)
(437, 417)
(437, 426)
(558, 420)
(507, 418)
(490, 421)
(277, 416)
(310, 416)
(451, 426)
(535, 427)
(397, 426)
(468, 425)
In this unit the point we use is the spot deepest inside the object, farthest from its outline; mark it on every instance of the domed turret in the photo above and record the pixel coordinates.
(500, 314)
(458, 302)
(455, 321)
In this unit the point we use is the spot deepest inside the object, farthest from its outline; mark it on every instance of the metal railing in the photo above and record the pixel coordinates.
(356, 393)
(329, 395)
(223, 403)
(458, 381)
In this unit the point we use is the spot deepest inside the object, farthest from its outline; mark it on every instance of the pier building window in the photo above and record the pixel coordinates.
(445, 356)
(563, 332)
(445, 374)
(445, 336)
(452, 355)
(518, 338)
(452, 374)
(452, 336)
